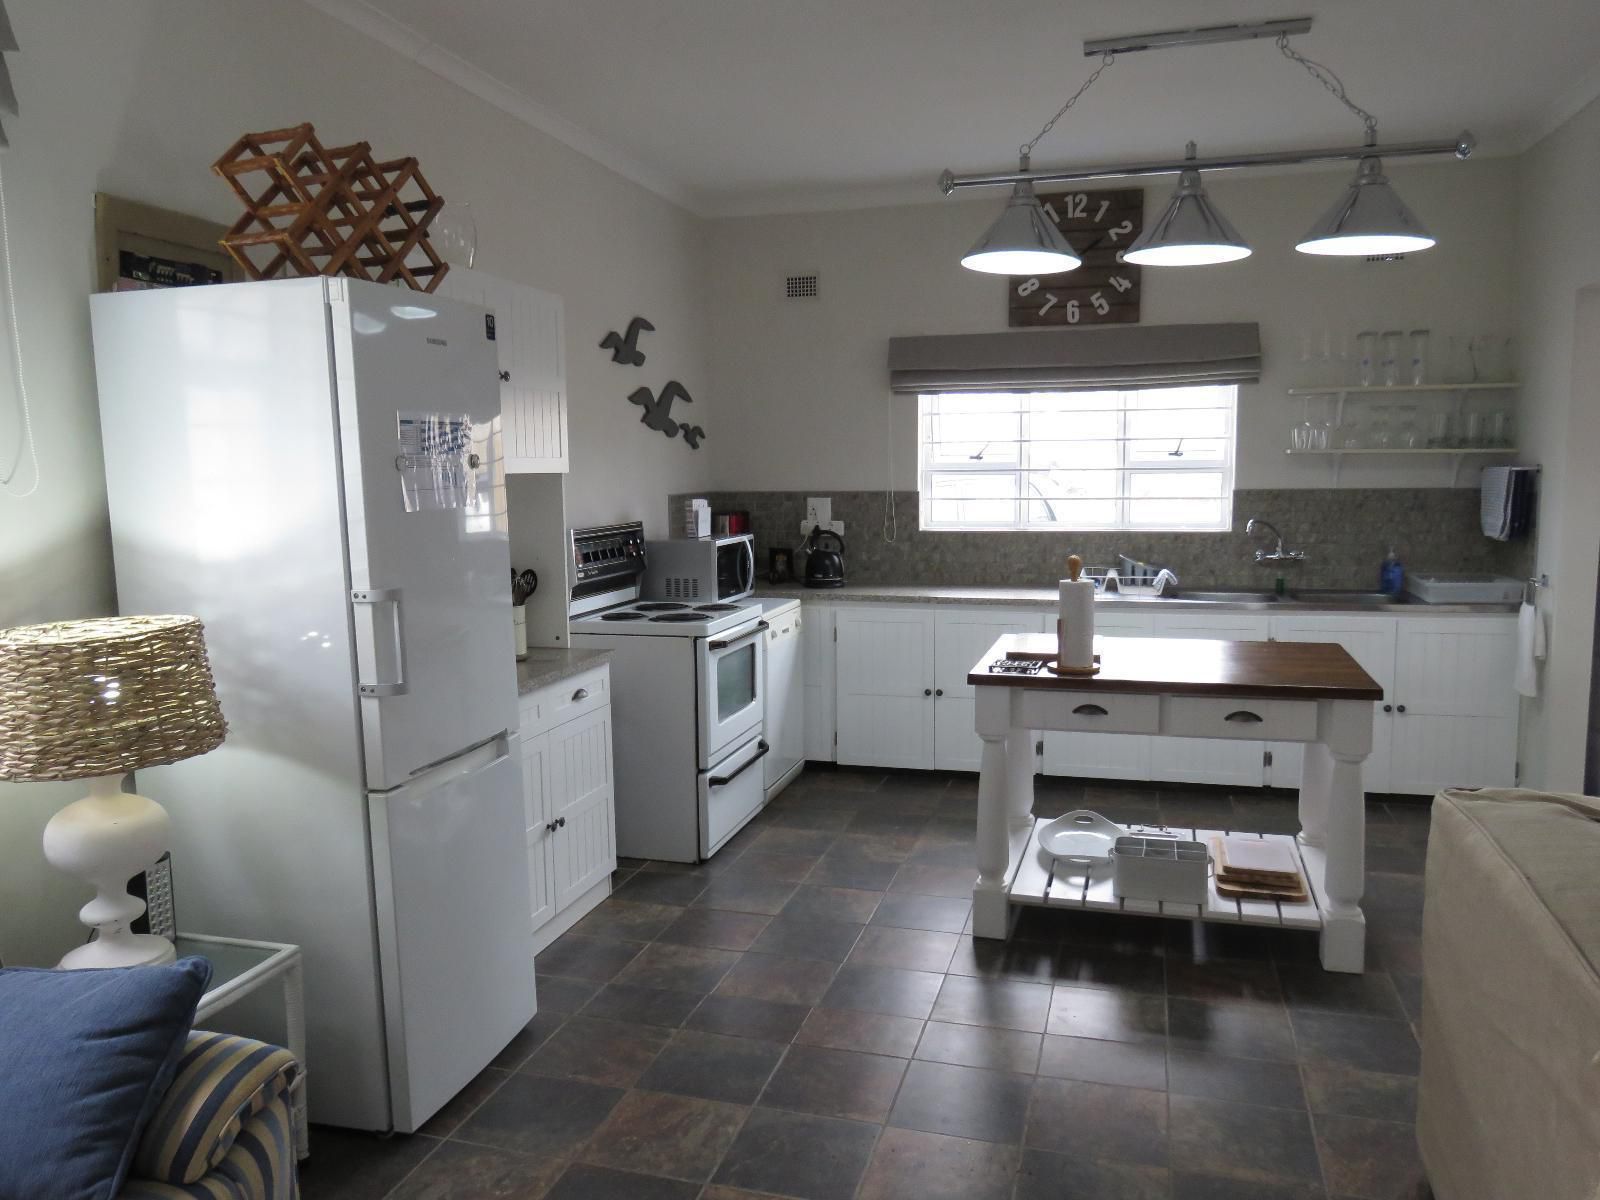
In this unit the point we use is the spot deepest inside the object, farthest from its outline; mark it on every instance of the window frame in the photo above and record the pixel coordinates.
(1124, 470)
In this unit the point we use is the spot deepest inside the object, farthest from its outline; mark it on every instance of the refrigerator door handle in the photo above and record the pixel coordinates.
(390, 596)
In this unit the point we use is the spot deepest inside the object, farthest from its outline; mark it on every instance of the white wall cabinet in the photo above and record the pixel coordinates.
(886, 685)
(569, 798)
(530, 339)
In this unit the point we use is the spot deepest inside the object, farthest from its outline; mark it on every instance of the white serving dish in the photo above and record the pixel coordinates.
(1144, 868)
(1080, 835)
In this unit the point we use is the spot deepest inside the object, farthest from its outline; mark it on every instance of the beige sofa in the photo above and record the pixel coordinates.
(1509, 1103)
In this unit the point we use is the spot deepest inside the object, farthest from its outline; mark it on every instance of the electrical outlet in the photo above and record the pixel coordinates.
(819, 510)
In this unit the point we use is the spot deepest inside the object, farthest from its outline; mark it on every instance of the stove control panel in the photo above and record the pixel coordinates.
(608, 554)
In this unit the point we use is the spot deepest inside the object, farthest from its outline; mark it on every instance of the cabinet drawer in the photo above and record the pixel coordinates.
(1093, 712)
(1256, 720)
(561, 702)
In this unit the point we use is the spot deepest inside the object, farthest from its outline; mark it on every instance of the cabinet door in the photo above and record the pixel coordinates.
(817, 655)
(536, 810)
(530, 337)
(1458, 727)
(1208, 760)
(1371, 642)
(960, 637)
(1101, 755)
(583, 847)
(883, 665)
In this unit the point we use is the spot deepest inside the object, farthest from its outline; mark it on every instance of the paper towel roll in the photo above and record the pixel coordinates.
(1076, 628)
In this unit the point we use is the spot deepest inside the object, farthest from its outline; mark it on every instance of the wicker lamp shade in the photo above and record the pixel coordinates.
(81, 699)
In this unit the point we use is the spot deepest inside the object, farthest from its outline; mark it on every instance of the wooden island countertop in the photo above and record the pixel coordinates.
(1193, 667)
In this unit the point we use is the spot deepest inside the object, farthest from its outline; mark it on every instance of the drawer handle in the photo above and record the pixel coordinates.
(1243, 716)
(1089, 710)
(580, 694)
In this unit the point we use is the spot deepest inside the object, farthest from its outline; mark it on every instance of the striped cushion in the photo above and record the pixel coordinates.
(260, 1166)
(221, 1082)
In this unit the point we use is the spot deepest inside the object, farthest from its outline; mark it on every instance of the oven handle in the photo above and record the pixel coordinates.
(761, 627)
(722, 780)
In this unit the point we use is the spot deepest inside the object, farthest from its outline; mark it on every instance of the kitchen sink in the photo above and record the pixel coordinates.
(1343, 596)
(1227, 597)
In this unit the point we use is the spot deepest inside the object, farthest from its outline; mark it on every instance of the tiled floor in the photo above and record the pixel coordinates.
(804, 1016)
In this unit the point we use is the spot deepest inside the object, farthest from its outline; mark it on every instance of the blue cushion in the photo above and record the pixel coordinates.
(84, 1058)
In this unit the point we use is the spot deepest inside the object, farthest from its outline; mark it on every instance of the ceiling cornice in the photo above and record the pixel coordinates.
(1561, 108)
(415, 47)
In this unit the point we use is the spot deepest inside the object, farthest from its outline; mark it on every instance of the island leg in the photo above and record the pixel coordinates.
(1344, 929)
(1315, 781)
(990, 918)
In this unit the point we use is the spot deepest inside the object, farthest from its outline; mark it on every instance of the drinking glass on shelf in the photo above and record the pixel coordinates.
(1457, 359)
(1300, 437)
(1419, 357)
(1392, 339)
(1406, 435)
(1351, 436)
(1499, 432)
(1367, 357)
(1473, 434)
(1381, 437)
(1445, 432)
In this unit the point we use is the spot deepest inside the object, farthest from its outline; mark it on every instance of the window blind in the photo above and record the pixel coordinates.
(1131, 356)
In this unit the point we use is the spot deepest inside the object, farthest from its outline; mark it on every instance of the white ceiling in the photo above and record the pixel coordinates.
(738, 106)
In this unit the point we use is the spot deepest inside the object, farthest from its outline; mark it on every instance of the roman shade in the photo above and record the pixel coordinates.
(1131, 356)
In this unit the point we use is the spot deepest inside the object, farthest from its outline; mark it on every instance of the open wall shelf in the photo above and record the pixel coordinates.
(1403, 389)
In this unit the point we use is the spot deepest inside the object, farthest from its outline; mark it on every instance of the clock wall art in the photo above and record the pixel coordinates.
(1102, 291)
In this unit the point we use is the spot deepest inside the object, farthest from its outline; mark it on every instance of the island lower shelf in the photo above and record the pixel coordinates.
(1039, 878)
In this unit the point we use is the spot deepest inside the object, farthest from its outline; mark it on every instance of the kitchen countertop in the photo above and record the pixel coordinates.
(1045, 597)
(547, 664)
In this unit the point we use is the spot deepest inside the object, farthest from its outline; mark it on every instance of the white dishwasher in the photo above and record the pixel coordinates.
(784, 722)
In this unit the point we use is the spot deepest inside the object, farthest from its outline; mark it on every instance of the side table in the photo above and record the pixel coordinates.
(240, 967)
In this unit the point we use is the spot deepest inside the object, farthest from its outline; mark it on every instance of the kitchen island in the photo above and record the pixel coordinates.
(1312, 693)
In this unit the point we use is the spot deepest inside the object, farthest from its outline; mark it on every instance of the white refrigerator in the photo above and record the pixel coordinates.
(314, 468)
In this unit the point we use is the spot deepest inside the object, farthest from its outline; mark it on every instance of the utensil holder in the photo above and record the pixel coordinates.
(519, 629)
(1145, 868)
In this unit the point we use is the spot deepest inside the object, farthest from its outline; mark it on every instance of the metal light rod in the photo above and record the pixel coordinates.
(1461, 146)
(1205, 36)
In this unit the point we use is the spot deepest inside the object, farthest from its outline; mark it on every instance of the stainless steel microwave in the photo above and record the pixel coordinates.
(701, 570)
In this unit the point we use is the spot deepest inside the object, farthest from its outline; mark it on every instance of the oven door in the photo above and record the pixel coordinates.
(731, 688)
(736, 567)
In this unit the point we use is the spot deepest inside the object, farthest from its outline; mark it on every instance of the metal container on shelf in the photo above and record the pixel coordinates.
(1149, 868)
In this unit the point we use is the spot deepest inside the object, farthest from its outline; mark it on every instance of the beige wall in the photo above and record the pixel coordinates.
(137, 98)
(1558, 256)
(805, 382)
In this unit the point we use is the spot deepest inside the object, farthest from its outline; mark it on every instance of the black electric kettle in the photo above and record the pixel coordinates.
(824, 558)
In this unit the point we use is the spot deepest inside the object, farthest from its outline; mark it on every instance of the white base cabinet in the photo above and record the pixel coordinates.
(886, 687)
(569, 800)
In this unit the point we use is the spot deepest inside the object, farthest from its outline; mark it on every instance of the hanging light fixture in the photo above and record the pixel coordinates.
(1023, 240)
(1370, 218)
(1191, 232)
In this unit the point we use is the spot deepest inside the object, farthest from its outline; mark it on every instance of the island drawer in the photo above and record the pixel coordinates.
(1094, 712)
(1256, 720)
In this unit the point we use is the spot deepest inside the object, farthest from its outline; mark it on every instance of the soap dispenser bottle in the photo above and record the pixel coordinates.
(1392, 573)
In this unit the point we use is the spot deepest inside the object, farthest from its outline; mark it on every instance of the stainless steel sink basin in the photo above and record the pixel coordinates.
(1225, 597)
(1343, 596)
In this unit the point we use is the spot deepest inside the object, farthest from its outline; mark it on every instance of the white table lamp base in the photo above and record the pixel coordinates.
(107, 838)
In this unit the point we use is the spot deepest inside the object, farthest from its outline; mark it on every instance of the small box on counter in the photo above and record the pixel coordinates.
(696, 519)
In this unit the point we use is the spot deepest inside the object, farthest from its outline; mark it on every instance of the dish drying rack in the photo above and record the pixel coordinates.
(1132, 576)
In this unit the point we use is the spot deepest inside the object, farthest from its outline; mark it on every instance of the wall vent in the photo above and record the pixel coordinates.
(1386, 258)
(800, 287)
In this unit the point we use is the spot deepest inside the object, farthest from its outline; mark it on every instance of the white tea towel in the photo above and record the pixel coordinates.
(1530, 648)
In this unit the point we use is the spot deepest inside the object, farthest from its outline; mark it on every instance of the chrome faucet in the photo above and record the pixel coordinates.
(1278, 555)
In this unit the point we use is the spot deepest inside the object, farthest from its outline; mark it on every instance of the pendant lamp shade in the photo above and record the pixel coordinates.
(1370, 218)
(1191, 232)
(1022, 241)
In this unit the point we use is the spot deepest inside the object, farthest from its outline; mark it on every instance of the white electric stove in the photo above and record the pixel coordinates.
(687, 700)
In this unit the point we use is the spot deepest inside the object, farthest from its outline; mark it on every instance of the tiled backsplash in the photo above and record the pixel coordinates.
(1344, 532)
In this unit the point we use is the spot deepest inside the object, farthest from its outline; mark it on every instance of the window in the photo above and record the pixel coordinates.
(1150, 458)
